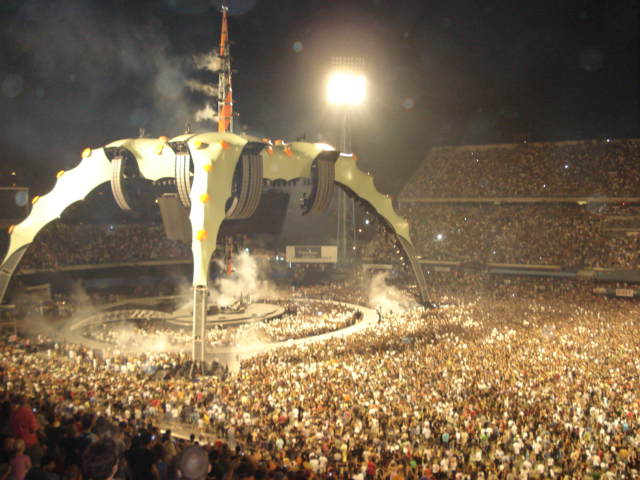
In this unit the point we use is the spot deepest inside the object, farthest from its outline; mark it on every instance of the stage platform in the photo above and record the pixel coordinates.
(230, 355)
(254, 312)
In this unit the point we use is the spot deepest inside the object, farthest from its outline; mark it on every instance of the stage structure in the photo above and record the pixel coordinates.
(218, 176)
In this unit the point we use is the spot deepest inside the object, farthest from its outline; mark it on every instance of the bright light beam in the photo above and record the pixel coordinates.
(346, 89)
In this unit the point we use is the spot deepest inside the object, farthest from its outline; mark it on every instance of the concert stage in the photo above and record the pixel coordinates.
(173, 317)
(254, 312)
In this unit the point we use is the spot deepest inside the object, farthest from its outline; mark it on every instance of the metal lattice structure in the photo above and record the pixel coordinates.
(218, 176)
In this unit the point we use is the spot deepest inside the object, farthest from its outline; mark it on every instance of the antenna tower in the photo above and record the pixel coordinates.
(225, 97)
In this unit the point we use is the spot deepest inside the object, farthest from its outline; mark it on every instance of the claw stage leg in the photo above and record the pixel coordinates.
(200, 293)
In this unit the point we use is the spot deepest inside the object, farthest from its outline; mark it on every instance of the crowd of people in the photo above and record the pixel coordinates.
(563, 234)
(307, 319)
(583, 168)
(589, 234)
(59, 244)
(507, 379)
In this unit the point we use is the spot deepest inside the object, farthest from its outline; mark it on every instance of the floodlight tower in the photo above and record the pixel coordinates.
(346, 90)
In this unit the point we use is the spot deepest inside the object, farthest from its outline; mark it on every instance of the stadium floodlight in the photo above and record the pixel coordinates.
(346, 88)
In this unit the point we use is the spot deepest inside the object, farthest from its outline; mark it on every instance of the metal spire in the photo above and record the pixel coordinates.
(225, 97)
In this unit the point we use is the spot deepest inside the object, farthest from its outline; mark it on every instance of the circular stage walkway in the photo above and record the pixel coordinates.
(228, 355)
(231, 356)
(254, 312)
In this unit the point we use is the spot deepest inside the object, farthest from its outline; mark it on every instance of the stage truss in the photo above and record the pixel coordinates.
(218, 176)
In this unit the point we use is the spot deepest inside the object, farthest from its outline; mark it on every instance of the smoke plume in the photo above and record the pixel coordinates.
(387, 297)
(126, 337)
(207, 61)
(244, 282)
(79, 296)
(206, 113)
(204, 88)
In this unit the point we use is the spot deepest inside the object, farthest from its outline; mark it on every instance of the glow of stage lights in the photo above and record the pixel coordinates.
(346, 88)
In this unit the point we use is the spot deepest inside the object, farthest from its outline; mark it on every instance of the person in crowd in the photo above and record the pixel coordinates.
(44, 471)
(23, 423)
(100, 461)
(72, 472)
(140, 458)
(161, 461)
(8, 449)
(194, 463)
(20, 462)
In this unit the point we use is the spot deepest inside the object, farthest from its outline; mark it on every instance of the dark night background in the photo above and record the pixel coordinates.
(77, 73)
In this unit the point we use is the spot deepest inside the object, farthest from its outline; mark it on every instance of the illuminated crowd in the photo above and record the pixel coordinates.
(569, 235)
(582, 228)
(584, 169)
(60, 245)
(507, 379)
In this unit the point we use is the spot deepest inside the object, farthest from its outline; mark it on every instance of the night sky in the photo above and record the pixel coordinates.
(77, 73)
